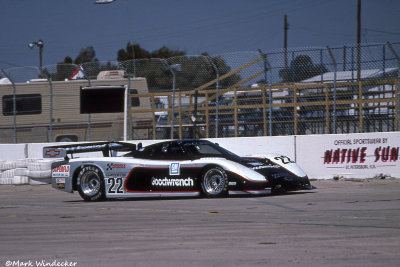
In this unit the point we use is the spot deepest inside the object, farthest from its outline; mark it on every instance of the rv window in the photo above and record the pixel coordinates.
(134, 100)
(25, 104)
(102, 99)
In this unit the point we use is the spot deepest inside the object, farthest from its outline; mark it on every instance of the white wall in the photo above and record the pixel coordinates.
(12, 152)
(321, 156)
(245, 146)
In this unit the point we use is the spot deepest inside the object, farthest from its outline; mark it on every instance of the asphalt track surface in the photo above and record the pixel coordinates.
(342, 223)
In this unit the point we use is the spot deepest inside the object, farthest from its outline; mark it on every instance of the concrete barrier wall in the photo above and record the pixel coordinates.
(13, 152)
(245, 146)
(366, 155)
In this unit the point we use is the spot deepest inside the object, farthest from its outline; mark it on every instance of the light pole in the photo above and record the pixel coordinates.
(39, 44)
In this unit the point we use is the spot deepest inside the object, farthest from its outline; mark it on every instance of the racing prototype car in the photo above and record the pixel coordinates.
(170, 169)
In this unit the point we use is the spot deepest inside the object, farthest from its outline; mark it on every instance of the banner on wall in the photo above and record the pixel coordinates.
(354, 155)
(362, 153)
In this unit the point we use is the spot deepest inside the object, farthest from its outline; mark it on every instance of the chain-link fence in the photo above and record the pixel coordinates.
(298, 91)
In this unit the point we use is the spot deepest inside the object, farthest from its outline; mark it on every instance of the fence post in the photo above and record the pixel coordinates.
(321, 54)
(292, 67)
(89, 131)
(173, 69)
(51, 109)
(196, 95)
(267, 67)
(14, 105)
(216, 97)
(352, 63)
(235, 114)
(173, 105)
(384, 60)
(127, 111)
(334, 87)
(398, 83)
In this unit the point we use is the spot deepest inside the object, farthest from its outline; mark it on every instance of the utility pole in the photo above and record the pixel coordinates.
(358, 39)
(285, 28)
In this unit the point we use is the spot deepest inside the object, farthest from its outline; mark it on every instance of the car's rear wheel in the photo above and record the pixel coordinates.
(214, 182)
(91, 184)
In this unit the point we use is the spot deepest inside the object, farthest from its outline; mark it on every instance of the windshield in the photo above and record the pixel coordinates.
(207, 149)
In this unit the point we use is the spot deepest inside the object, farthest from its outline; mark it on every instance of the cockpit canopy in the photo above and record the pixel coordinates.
(181, 150)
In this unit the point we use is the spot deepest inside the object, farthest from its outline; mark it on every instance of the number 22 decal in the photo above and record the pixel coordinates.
(284, 159)
(115, 185)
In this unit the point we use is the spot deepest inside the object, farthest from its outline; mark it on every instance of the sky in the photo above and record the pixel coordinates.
(212, 26)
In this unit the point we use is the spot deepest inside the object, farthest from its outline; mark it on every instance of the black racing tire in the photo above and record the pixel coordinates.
(214, 182)
(90, 184)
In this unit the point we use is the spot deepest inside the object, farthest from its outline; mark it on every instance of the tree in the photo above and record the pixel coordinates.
(132, 51)
(135, 51)
(301, 68)
(86, 58)
(90, 64)
(68, 60)
(138, 62)
(63, 70)
(165, 52)
(195, 70)
(86, 55)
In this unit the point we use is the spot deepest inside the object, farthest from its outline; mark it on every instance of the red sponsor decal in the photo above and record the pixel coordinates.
(118, 166)
(61, 171)
(360, 154)
(52, 153)
(60, 180)
(62, 168)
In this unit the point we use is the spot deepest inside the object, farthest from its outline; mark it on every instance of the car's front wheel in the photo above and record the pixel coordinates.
(91, 184)
(214, 182)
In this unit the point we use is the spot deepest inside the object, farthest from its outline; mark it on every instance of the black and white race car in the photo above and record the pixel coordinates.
(170, 169)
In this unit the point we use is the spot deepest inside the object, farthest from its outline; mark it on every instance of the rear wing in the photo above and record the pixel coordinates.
(62, 151)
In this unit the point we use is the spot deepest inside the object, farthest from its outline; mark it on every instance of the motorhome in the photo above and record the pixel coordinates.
(45, 111)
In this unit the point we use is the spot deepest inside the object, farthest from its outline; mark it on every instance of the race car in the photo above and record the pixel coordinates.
(170, 169)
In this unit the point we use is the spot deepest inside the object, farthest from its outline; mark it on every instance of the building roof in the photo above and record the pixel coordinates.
(351, 75)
